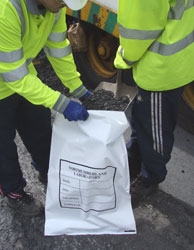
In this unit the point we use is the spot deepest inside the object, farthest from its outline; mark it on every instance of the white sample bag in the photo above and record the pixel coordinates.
(88, 178)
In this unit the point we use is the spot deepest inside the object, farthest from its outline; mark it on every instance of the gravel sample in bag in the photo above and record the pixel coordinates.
(105, 100)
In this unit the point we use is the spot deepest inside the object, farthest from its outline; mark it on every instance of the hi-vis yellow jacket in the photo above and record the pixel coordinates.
(157, 40)
(23, 33)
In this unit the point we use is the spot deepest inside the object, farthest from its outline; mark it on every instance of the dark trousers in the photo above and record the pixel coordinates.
(33, 124)
(153, 119)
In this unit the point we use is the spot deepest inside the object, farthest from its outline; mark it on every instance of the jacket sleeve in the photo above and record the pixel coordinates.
(15, 72)
(59, 53)
(140, 24)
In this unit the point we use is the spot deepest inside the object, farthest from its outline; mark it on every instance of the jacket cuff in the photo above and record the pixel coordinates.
(79, 92)
(120, 62)
(61, 104)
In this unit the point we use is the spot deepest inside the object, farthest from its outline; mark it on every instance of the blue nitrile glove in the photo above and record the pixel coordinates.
(75, 112)
(84, 97)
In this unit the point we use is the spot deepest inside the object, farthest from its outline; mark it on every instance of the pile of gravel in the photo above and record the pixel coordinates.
(105, 100)
(99, 100)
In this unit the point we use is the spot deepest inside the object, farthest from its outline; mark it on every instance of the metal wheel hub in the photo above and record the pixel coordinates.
(101, 54)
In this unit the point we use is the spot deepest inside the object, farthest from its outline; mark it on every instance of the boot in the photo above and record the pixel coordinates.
(24, 203)
(139, 191)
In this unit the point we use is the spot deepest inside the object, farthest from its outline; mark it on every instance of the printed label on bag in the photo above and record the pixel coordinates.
(86, 188)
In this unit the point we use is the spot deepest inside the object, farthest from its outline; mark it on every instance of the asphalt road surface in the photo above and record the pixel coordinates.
(180, 178)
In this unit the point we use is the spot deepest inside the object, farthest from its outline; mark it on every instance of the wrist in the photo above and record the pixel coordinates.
(79, 92)
(85, 97)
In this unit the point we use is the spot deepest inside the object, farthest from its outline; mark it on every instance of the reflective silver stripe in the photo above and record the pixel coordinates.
(12, 56)
(177, 11)
(16, 74)
(17, 5)
(130, 63)
(170, 49)
(190, 4)
(58, 53)
(32, 7)
(29, 60)
(138, 34)
(57, 36)
(79, 92)
(61, 104)
(57, 16)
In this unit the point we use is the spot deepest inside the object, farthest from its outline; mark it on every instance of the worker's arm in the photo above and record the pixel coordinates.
(20, 76)
(140, 24)
(58, 51)
(14, 68)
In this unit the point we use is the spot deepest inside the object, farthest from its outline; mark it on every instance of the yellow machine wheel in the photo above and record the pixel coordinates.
(97, 63)
(101, 54)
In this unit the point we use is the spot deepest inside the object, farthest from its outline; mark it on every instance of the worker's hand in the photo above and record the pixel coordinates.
(75, 112)
(84, 97)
